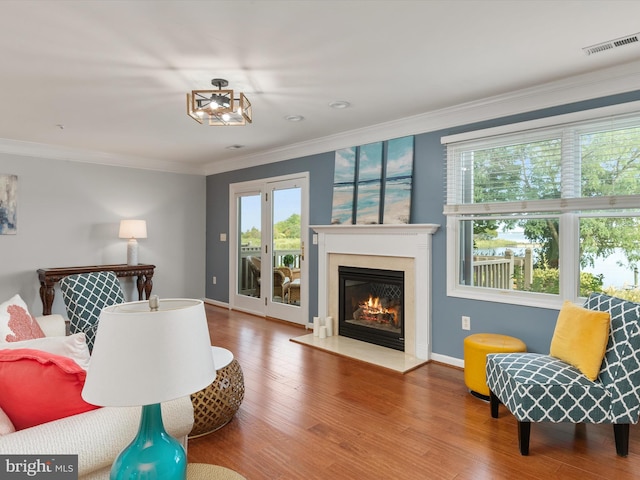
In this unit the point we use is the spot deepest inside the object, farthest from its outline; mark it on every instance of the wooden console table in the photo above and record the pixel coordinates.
(50, 276)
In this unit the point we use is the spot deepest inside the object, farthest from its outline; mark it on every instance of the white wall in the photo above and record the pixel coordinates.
(69, 215)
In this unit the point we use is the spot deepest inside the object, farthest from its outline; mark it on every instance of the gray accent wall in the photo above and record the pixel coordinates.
(533, 325)
(69, 215)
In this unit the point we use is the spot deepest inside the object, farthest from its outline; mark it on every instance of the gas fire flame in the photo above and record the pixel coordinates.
(374, 304)
(372, 311)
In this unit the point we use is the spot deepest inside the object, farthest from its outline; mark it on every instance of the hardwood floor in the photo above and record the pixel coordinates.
(308, 414)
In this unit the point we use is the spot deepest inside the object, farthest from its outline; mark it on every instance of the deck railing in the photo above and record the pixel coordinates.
(508, 272)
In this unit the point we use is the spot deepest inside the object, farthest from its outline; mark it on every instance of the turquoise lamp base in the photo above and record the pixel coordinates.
(153, 454)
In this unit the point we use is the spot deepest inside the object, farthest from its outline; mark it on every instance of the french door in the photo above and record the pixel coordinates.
(268, 234)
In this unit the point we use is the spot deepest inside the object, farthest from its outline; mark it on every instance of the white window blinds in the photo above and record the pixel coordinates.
(591, 165)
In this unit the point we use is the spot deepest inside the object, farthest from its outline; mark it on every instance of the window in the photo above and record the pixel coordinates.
(539, 215)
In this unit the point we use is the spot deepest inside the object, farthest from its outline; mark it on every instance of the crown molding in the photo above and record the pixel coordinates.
(601, 83)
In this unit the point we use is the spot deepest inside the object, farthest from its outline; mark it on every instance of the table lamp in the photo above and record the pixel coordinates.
(132, 229)
(146, 353)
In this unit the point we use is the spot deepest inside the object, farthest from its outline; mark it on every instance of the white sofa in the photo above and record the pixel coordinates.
(96, 436)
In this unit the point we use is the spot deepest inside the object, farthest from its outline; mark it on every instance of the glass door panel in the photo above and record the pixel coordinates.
(269, 229)
(249, 247)
(286, 245)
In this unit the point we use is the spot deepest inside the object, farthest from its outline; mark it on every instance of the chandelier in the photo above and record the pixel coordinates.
(219, 107)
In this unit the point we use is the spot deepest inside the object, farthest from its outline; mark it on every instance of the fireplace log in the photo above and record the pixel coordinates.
(363, 314)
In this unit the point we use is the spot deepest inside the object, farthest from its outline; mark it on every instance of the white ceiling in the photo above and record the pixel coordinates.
(115, 74)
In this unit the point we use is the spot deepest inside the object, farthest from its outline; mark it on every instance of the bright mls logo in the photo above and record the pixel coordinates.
(50, 467)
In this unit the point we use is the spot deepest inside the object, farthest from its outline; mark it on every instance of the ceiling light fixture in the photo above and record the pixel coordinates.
(220, 107)
(294, 118)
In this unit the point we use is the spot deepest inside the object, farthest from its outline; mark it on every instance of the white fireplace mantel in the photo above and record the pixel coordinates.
(412, 241)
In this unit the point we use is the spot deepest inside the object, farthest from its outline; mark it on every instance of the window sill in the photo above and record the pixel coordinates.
(538, 300)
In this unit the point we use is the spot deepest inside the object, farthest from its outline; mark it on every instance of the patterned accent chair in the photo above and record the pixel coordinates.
(85, 295)
(541, 388)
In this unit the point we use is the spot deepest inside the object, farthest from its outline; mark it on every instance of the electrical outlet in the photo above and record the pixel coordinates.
(466, 323)
(215, 280)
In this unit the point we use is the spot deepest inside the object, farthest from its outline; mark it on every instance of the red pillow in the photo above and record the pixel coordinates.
(38, 387)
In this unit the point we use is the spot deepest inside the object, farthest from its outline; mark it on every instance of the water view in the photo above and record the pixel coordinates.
(614, 275)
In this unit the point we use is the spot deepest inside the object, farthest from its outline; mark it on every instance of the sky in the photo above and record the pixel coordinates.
(287, 202)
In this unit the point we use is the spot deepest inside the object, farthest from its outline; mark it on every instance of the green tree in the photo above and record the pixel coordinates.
(286, 234)
(610, 165)
(251, 238)
(289, 228)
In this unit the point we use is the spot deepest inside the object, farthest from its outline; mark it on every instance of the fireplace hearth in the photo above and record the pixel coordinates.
(371, 305)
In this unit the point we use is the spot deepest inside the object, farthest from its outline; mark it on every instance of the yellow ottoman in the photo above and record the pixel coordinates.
(476, 347)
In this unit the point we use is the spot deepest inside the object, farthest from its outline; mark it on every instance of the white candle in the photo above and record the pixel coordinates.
(329, 323)
(323, 332)
(316, 326)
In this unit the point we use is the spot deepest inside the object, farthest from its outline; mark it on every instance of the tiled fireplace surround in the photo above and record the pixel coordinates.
(393, 247)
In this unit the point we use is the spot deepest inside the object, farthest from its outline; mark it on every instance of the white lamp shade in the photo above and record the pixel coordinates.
(142, 357)
(133, 229)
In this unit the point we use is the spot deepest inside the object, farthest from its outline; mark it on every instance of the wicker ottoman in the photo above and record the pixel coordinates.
(293, 291)
(476, 347)
(215, 405)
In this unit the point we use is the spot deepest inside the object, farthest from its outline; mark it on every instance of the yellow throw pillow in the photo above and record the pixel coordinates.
(580, 338)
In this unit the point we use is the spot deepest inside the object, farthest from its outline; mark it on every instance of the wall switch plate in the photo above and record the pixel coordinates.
(466, 323)
(215, 280)
(315, 238)
(223, 237)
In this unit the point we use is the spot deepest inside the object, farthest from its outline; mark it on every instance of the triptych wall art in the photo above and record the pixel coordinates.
(8, 204)
(372, 183)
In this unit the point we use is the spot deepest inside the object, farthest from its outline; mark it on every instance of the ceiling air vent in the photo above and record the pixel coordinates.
(611, 44)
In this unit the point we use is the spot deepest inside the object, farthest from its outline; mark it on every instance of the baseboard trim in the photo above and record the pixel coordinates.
(217, 303)
(447, 360)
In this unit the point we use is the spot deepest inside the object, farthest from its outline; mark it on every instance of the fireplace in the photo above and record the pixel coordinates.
(371, 305)
(404, 248)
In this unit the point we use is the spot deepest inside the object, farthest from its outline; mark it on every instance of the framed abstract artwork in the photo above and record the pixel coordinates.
(372, 183)
(8, 204)
(398, 180)
(343, 186)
